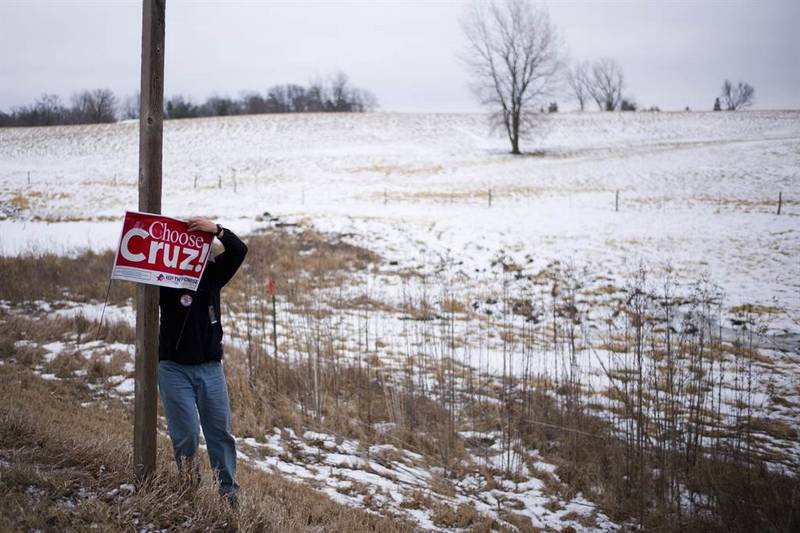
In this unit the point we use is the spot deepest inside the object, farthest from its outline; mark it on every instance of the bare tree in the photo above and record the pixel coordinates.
(606, 83)
(81, 105)
(277, 99)
(737, 96)
(317, 96)
(95, 106)
(579, 83)
(514, 54)
(253, 103)
(364, 101)
(296, 95)
(103, 106)
(129, 109)
(49, 110)
(340, 92)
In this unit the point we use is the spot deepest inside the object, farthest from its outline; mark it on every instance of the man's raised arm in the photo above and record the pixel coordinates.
(228, 262)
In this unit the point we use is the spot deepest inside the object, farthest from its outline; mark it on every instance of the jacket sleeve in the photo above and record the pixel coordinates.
(228, 262)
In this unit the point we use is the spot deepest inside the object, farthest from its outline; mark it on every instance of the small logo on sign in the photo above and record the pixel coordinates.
(186, 300)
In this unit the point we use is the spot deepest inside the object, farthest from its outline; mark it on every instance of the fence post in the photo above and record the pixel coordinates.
(780, 201)
(271, 291)
(274, 328)
(616, 201)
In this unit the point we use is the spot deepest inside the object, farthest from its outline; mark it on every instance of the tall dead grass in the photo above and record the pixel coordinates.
(50, 277)
(662, 446)
(69, 467)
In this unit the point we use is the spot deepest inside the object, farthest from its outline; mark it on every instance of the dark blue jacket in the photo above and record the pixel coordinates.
(191, 326)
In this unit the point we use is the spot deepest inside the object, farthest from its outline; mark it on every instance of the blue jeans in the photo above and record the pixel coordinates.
(191, 390)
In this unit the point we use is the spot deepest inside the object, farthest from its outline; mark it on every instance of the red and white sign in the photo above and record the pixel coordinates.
(159, 250)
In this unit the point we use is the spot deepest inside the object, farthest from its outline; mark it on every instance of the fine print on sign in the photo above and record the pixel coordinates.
(159, 250)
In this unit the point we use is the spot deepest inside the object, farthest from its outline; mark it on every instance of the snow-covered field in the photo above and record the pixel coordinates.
(696, 190)
(439, 194)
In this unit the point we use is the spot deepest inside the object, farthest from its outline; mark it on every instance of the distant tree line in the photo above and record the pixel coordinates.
(87, 107)
(333, 95)
(101, 105)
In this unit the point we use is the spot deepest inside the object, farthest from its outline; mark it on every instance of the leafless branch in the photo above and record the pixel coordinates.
(514, 54)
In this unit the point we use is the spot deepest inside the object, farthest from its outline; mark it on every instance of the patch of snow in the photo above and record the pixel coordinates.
(126, 387)
(53, 350)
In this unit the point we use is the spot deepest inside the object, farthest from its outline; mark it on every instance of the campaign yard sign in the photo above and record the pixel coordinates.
(159, 250)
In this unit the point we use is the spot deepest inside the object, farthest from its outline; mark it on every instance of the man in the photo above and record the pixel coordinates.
(190, 375)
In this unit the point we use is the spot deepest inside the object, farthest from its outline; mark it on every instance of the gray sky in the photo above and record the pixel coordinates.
(674, 53)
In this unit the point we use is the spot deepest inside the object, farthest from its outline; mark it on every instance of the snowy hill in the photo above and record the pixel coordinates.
(697, 190)
(500, 340)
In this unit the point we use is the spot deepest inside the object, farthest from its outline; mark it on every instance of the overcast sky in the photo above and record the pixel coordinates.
(674, 53)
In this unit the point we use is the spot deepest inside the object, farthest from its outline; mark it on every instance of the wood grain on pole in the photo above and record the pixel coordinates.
(150, 136)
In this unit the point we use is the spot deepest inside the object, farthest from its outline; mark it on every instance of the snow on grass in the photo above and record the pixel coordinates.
(125, 387)
(697, 195)
(697, 190)
(93, 312)
(54, 349)
(385, 478)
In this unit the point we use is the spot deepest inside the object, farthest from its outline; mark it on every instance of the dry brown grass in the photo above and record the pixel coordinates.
(64, 466)
(461, 517)
(755, 309)
(350, 399)
(81, 279)
(20, 202)
(389, 170)
(74, 332)
(299, 262)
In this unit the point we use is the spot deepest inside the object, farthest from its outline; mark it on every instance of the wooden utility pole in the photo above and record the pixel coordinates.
(151, 117)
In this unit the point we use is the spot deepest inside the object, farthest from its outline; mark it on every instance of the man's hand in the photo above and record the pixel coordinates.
(201, 224)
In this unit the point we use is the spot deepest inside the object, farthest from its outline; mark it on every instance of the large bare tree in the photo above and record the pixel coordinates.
(737, 96)
(580, 83)
(605, 84)
(514, 54)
